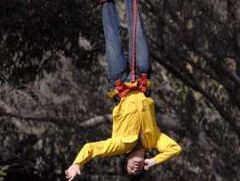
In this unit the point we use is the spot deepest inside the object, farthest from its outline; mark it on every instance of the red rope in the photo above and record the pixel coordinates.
(133, 67)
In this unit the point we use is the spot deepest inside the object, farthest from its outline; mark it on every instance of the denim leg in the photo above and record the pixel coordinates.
(117, 64)
(142, 52)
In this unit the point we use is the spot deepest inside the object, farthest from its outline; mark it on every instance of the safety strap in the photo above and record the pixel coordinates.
(122, 89)
(134, 49)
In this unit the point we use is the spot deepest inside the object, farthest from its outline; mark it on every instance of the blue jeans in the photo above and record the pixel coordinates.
(118, 66)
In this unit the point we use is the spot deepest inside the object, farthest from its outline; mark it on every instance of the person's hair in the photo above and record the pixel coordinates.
(137, 177)
(123, 164)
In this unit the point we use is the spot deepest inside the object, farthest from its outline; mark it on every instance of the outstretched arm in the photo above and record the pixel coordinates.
(109, 147)
(167, 147)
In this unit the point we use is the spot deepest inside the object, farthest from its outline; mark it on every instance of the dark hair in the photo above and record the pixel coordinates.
(123, 165)
(138, 177)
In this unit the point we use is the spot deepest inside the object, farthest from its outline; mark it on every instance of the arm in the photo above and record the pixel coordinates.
(167, 147)
(109, 147)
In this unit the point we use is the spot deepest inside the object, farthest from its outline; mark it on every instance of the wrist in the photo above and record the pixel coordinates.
(76, 168)
(75, 165)
(153, 161)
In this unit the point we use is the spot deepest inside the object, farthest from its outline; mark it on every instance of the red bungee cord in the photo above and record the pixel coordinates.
(134, 49)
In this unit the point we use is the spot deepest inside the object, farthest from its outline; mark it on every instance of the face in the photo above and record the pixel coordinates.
(135, 162)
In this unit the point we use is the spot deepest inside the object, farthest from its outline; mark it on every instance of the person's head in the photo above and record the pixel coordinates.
(135, 160)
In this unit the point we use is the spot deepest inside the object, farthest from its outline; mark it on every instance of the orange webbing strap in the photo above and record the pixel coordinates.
(122, 89)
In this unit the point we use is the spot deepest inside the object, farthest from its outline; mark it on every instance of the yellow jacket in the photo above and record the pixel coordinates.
(133, 119)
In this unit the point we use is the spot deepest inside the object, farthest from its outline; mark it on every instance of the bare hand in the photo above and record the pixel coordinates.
(149, 163)
(72, 171)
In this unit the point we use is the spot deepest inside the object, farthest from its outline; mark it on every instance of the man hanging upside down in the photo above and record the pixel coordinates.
(134, 124)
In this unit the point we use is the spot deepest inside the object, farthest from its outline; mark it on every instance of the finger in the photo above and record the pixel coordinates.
(133, 172)
(136, 163)
(68, 176)
(70, 179)
(146, 161)
(146, 167)
(66, 172)
(78, 171)
(136, 166)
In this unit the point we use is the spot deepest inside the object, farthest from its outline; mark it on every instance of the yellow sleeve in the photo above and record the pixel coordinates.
(109, 147)
(167, 147)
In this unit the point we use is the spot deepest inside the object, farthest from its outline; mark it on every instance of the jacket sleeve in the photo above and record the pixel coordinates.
(167, 147)
(109, 147)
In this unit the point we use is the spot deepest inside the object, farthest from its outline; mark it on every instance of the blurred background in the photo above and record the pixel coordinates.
(53, 83)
